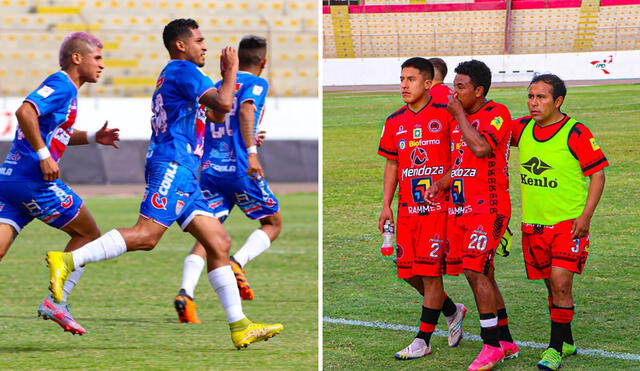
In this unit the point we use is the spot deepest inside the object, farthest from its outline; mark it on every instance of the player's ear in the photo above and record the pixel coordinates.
(427, 84)
(180, 45)
(479, 91)
(76, 58)
(558, 102)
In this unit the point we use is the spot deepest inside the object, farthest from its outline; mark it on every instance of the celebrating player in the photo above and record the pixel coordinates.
(480, 207)
(172, 192)
(232, 175)
(415, 142)
(556, 155)
(29, 177)
(439, 91)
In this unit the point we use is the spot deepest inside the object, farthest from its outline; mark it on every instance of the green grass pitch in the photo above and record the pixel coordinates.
(126, 304)
(360, 285)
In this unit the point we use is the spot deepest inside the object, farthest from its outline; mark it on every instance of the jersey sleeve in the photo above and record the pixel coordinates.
(517, 128)
(586, 150)
(256, 92)
(194, 83)
(387, 147)
(495, 125)
(51, 95)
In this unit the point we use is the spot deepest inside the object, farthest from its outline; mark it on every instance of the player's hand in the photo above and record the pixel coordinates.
(229, 60)
(455, 105)
(580, 227)
(262, 134)
(433, 193)
(108, 137)
(50, 169)
(385, 214)
(255, 168)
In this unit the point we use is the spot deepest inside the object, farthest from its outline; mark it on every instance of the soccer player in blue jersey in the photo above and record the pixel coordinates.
(30, 185)
(232, 175)
(172, 193)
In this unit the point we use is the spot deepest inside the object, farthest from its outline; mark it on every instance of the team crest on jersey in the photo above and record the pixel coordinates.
(475, 124)
(158, 202)
(400, 130)
(399, 251)
(271, 202)
(594, 145)
(402, 144)
(497, 122)
(435, 126)
(179, 207)
(419, 156)
(417, 133)
(238, 86)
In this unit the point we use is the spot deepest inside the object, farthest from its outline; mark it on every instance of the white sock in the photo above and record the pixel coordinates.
(108, 246)
(255, 245)
(193, 265)
(224, 284)
(72, 281)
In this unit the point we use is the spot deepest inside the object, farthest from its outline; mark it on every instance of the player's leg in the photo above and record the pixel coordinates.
(192, 269)
(7, 235)
(210, 233)
(506, 341)
(260, 240)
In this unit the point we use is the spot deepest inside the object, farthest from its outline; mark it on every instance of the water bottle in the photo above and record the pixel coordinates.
(387, 239)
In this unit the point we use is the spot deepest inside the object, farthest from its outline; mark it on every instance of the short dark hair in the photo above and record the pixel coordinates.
(558, 89)
(421, 64)
(439, 65)
(479, 73)
(176, 29)
(252, 50)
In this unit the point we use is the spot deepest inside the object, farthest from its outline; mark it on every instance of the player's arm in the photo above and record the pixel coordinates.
(29, 125)
(580, 227)
(390, 183)
(221, 99)
(104, 136)
(215, 116)
(475, 141)
(247, 117)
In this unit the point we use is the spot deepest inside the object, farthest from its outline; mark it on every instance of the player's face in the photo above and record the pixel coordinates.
(542, 107)
(91, 65)
(195, 48)
(466, 91)
(413, 85)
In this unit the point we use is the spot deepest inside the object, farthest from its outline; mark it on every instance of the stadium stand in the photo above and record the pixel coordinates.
(399, 28)
(31, 32)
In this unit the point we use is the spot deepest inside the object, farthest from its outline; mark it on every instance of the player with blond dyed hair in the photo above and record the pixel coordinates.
(30, 185)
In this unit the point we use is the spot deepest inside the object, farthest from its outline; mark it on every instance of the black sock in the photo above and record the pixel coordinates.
(448, 307)
(558, 334)
(503, 325)
(428, 322)
(490, 335)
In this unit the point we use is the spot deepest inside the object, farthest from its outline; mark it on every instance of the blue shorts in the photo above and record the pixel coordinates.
(252, 196)
(52, 202)
(172, 195)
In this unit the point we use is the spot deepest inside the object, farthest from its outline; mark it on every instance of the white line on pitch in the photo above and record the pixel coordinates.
(467, 336)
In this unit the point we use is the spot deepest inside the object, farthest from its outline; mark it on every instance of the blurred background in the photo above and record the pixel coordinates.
(131, 30)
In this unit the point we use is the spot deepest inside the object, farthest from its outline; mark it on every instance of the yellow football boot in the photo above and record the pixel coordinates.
(252, 332)
(60, 266)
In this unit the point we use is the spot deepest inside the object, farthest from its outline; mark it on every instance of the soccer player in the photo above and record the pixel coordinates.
(232, 175)
(439, 91)
(29, 177)
(415, 142)
(172, 192)
(480, 207)
(557, 154)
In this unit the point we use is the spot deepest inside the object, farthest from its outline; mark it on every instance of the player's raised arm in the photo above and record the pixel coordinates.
(105, 136)
(476, 142)
(28, 121)
(221, 100)
(247, 116)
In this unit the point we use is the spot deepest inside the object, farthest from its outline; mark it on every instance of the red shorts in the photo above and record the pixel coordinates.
(546, 246)
(474, 239)
(421, 245)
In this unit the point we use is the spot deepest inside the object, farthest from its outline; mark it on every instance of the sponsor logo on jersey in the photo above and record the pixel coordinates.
(167, 180)
(62, 136)
(65, 200)
(159, 82)
(422, 171)
(238, 86)
(417, 133)
(6, 171)
(252, 209)
(538, 182)
(15, 156)
(257, 90)
(435, 126)
(423, 142)
(480, 230)
(215, 204)
(402, 144)
(536, 166)
(465, 172)
(179, 207)
(423, 209)
(158, 202)
(270, 202)
(419, 156)
(223, 168)
(497, 122)
(436, 238)
(594, 145)
(31, 206)
(400, 130)
(45, 91)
